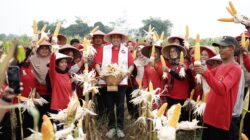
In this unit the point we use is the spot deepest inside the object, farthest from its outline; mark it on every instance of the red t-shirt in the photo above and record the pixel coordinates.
(246, 61)
(224, 82)
(151, 74)
(61, 86)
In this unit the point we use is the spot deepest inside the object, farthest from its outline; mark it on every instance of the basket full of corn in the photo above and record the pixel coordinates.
(113, 75)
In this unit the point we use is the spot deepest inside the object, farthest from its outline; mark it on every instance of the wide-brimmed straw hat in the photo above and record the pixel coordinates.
(216, 58)
(147, 49)
(107, 38)
(60, 56)
(69, 47)
(172, 38)
(98, 33)
(165, 50)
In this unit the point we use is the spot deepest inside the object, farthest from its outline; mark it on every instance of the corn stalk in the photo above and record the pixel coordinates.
(244, 111)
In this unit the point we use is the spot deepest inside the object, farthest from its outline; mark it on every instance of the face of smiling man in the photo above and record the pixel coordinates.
(116, 40)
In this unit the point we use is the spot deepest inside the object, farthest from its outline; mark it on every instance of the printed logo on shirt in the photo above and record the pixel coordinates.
(123, 51)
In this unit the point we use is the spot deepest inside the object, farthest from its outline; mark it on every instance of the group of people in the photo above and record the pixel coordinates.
(224, 79)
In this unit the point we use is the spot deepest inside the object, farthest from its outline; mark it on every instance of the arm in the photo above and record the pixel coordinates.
(223, 86)
(52, 68)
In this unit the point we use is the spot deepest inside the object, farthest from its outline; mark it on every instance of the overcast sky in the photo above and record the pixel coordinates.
(201, 15)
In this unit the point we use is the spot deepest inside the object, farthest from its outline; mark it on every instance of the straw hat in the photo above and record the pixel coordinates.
(98, 32)
(165, 50)
(60, 56)
(107, 38)
(172, 38)
(146, 50)
(216, 58)
(211, 51)
(69, 47)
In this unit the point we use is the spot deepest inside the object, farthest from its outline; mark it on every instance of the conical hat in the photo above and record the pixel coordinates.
(165, 50)
(107, 38)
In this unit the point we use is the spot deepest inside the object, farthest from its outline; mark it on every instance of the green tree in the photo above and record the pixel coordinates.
(158, 24)
(102, 27)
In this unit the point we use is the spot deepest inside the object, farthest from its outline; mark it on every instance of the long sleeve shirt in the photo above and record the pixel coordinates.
(224, 82)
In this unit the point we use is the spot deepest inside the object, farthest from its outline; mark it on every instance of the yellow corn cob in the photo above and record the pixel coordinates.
(192, 94)
(156, 35)
(197, 55)
(47, 129)
(162, 109)
(163, 61)
(243, 40)
(226, 19)
(247, 44)
(205, 96)
(94, 30)
(162, 36)
(232, 8)
(198, 99)
(150, 87)
(35, 30)
(21, 98)
(149, 28)
(187, 32)
(153, 51)
(41, 40)
(230, 11)
(57, 29)
(246, 101)
(181, 58)
(44, 27)
(176, 116)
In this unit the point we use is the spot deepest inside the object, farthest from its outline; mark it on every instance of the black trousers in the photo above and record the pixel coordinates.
(116, 99)
(132, 109)
(212, 133)
(246, 126)
(5, 125)
(234, 130)
(102, 102)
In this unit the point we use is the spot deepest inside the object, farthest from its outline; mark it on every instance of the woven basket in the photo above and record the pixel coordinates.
(113, 82)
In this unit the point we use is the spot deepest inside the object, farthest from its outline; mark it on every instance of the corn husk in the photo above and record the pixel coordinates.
(44, 28)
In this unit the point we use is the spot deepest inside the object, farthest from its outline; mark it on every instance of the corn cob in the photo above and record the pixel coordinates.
(47, 129)
(162, 36)
(197, 55)
(150, 87)
(40, 41)
(243, 136)
(230, 11)
(163, 61)
(149, 28)
(192, 94)
(57, 29)
(243, 40)
(35, 30)
(247, 44)
(181, 58)
(44, 27)
(226, 19)
(176, 116)
(187, 32)
(94, 30)
(232, 8)
(20, 54)
(156, 35)
(162, 109)
(86, 68)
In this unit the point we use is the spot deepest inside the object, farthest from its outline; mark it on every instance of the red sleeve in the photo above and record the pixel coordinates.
(52, 68)
(145, 79)
(98, 57)
(246, 61)
(158, 68)
(130, 59)
(223, 86)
